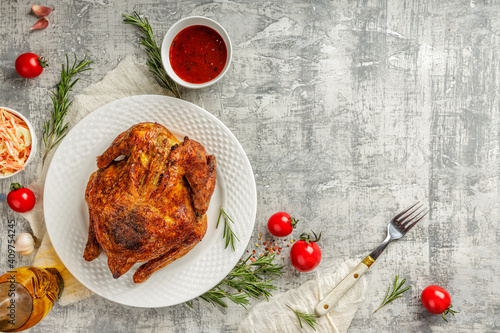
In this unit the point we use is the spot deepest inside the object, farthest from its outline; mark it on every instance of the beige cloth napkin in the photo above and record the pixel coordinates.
(129, 78)
(275, 316)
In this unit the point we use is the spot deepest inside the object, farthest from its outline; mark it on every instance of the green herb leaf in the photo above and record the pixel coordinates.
(395, 294)
(154, 63)
(309, 318)
(248, 279)
(228, 233)
(55, 129)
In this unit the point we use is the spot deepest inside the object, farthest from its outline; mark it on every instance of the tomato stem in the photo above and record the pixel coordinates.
(293, 222)
(307, 237)
(43, 62)
(15, 186)
(449, 310)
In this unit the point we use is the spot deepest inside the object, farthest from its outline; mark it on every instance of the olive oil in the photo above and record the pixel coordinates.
(27, 295)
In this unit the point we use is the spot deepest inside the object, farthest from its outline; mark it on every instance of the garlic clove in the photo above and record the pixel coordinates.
(25, 244)
(41, 24)
(40, 11)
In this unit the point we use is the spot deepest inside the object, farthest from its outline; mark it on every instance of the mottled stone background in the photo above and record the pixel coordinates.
(348, 111)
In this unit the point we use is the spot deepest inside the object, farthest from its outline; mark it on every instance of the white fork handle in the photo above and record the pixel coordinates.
(336, 294)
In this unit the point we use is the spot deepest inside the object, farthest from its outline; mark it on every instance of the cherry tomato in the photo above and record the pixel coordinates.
(437, 301)
(281, 224)
(305, 253)
(20, 199)
(29, 65)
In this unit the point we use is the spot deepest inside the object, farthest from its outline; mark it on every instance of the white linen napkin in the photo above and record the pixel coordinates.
(275, 316)
(129, 78)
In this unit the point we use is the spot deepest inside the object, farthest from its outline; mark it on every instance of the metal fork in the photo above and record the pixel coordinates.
(397, 228)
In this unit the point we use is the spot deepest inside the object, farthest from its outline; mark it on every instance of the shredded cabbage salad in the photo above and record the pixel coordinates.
(15, 143)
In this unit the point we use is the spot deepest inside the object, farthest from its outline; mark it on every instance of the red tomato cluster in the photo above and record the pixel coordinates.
(305, 254)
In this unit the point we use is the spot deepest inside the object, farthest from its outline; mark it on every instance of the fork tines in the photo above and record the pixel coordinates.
(409, 217)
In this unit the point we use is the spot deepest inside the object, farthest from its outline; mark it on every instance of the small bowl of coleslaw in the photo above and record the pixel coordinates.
(17, 142)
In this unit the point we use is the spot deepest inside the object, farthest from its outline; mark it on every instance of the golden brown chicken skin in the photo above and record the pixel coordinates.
(151, 205)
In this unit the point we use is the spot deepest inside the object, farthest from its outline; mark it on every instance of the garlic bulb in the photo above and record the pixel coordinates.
(25, 244)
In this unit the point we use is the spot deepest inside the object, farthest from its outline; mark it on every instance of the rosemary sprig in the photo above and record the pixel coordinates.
(216, 296)
(228, 233)
(395, 294)
(154, 63)
(309, 318)
(248, 279)
(55, 128)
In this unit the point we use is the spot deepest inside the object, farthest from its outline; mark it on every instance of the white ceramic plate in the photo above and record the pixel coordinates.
(66, 212)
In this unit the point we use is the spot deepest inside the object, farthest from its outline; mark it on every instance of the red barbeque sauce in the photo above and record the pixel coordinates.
(198, 54)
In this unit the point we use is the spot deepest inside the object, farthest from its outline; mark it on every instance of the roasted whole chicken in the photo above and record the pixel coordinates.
(151, 205)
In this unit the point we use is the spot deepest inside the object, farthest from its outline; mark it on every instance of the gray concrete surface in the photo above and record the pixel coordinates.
(348, 111)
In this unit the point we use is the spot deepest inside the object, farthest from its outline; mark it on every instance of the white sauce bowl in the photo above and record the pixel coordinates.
(178, 27)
